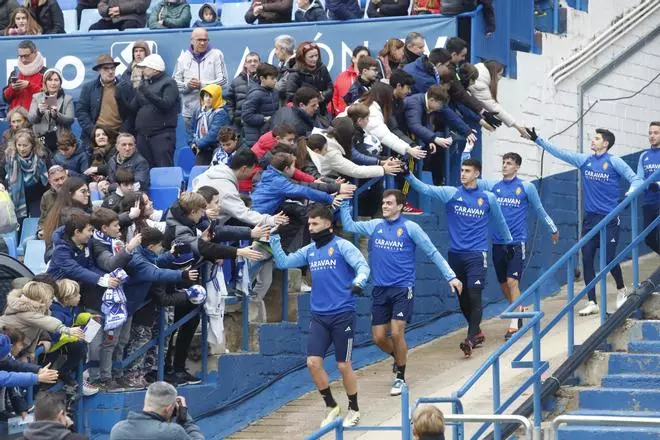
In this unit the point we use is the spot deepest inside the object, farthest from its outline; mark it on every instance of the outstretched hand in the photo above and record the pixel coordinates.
(532, 133)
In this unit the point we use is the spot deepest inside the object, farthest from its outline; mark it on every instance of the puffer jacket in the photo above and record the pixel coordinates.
(235, 96)
(156, 105)
(49, 16)
(275, 187)
(42, 123)
(69, 316)
(319, 78)
(128, 9)
(315, 12)
(343, 9)
(481, 91)
(296, 117)
(422, 70)
(342, 85)
(76, 164)
(334, 162)
(259, 104)
(208, 68)
(32, 318)
(388, 8)
(173, 15)
(6, 7)
(378, 127)
(275, 11)
(216, 118)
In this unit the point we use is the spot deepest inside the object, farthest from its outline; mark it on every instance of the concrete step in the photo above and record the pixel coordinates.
(650, 330)
(587, 432)
(643, 381)
(610, 413)
(620, 399)
(623, 363)
(644, 347)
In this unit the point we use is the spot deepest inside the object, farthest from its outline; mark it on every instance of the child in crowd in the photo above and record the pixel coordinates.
(206, 123)
(260, 104)
(69, 155)
(65, 308)
(208, 17)
(228, 140)
(125, 180)
(367, 76)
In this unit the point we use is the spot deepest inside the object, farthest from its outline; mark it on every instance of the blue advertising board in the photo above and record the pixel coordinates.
(74, 54)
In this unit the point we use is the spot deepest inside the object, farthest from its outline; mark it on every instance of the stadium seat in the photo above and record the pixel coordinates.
(166, 177)
(181, 135)
(88, 18)
(233, 14)
(70, 21)
(163, 197)
(34, 256)
(194, 172)
(185, 159)
(95, 195)
(28, 232)
(194, 11)
(67, 5)
(10, 240)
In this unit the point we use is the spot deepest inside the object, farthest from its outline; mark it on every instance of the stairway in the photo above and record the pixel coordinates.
(629, 387)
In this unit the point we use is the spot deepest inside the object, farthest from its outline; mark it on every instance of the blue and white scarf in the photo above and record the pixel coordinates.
(113, 304)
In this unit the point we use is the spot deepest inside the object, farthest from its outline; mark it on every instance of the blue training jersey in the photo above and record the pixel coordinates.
(601, 176)
(515, 197)
(469, 213)
(392, 246)
(335, 268)
(649, 162)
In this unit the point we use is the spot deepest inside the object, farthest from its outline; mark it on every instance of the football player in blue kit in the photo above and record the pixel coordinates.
(470, 210)
(649, 163)
(392, 243)
(338, 272)
(602, 175)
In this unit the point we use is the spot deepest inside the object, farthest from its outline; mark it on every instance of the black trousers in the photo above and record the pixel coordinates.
(157, 148)
(103, 25)
(178, 353)
(651, 212)
(74, 352)
(470, 302)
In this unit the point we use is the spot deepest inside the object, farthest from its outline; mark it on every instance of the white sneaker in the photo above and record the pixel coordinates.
(304, 287)
(352, 418)
(590, 309)
(89, 389)
(621, 297)
(397, 386)
(332, 414)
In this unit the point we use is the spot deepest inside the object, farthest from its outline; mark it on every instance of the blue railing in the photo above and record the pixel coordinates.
(533, 318)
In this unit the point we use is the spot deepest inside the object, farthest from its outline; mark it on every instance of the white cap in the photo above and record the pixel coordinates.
(154, 61)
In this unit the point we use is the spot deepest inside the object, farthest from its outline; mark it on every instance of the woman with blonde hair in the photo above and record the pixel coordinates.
(390, 57)
(28, 311)
(26, 173)
(17, 118)
(21, 22)
(51, 110)
(48, 14)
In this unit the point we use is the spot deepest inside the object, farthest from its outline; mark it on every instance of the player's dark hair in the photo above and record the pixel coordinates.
(151, 236)
(514, 157)
(656, 123)
(208, 192)
(320, 211)
(243, 157)
(474, 163)
(456, 45)
(607, 135)
(398, 195)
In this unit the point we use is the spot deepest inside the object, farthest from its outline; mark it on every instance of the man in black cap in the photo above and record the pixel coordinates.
(104, 101)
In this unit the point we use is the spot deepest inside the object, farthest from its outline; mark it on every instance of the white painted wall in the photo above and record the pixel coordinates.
(533, 99)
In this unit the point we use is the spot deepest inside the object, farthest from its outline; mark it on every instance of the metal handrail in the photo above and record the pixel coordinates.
(534, 317)
(491, 418)
(602, 420)
(336, 425)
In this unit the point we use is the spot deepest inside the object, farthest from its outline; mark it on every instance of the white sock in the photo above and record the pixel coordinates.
(514, 323)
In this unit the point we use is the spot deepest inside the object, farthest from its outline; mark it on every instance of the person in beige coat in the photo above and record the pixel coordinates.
(28, 311)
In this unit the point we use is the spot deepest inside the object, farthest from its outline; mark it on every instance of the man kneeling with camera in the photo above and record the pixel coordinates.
(164, 417)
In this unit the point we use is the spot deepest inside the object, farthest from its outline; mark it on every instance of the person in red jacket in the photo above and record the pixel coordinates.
(27, 79)
(345, 80)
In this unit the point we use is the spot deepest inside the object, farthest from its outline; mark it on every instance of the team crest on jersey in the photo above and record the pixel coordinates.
(606, 165)
(399, 232)
(331, 251)
(518, 191)
(480, 201)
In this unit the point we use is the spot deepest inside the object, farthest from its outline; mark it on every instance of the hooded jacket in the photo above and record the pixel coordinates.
(319, 78)
(481, 91)
(49, 16)
(174, 14)
(223, 179)
(236, 94)
(128, 73)
(315, 12)
(31, 317)
(156, 105)
(146, 425)
(260, 103)
(275, 11)
(275, 187)
(201, 23)
(389, 8)
(208, 68)
(342, 84)
(128, 10)
(6, 7)
(49, 430)
(205, 125)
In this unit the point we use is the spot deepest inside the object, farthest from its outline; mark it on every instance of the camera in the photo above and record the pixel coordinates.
(180, 413)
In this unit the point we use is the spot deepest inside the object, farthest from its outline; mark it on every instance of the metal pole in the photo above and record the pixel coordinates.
(245, 323)
(635, 232)
(492, 418)
(458, 435)
(285, 295)
(570, 294)
(536, 364)
(161, 344)
(496, 397)
(602, 256)
(405, 414)
(555, 17)
(204, 343)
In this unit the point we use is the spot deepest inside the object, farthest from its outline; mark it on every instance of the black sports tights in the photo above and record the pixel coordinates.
(470, 301)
